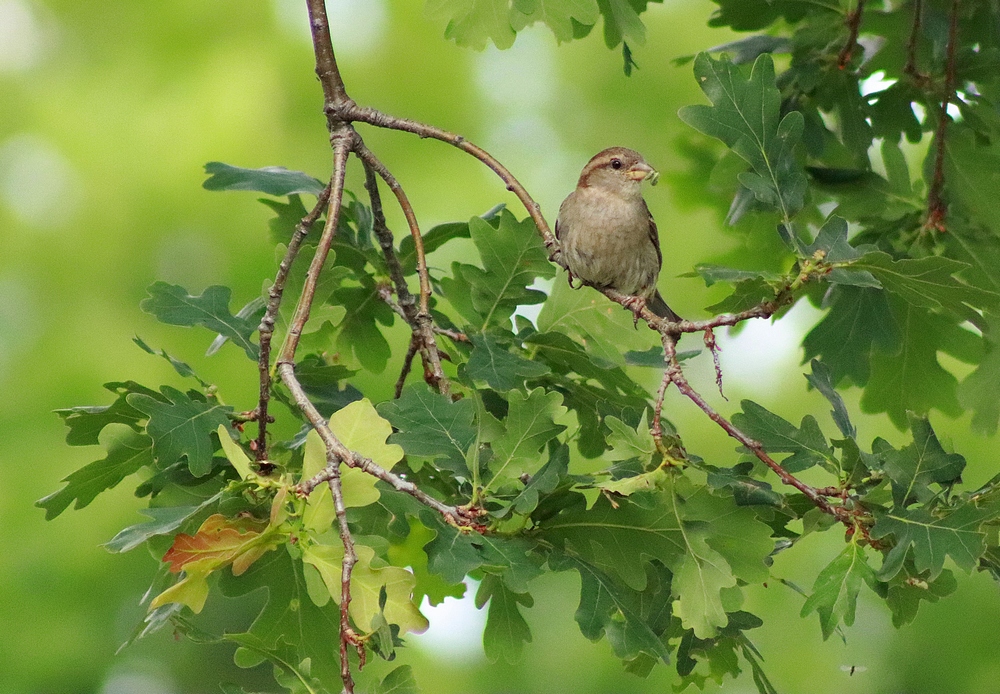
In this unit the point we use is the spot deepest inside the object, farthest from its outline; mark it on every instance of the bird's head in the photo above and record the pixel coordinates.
(617, 169)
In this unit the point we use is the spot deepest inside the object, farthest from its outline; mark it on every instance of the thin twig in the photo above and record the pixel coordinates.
(676, 375)
(343, 454)
(411, 351)
(853, 27)
(937, 208)
(348, 637)
(266, 328)
(419, 320)
(910, 68)
(351, 112)
(341, 147)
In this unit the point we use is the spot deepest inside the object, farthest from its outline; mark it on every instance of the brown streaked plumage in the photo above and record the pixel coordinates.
(608, 236)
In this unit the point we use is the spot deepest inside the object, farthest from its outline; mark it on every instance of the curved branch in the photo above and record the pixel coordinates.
(342, 145)
(350, 112)
(817, 496)
(266, 328)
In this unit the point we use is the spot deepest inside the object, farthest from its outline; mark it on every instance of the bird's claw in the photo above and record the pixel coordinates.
(635, 304)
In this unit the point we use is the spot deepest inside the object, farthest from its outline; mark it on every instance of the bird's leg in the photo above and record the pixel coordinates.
(635, 304)
(569, 278)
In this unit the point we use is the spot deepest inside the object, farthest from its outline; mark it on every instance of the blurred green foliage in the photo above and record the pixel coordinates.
(111, 109)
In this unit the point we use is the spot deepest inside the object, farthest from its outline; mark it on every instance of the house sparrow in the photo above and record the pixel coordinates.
(608, 236)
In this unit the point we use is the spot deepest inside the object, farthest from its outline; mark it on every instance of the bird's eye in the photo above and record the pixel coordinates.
(616, 164)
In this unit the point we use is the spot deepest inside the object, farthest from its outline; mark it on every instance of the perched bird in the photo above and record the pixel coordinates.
(607, 235)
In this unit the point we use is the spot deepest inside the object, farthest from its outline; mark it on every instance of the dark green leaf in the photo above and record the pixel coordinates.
(806, 443)
(359, 329)
(608, 607)
(956, 535)
(922, 462)
(166, 521)
(513, 256)
(289, 620)
(273, 180)
(431, 425)
(86, 423)
(399, 681)
(835, 593)
(325, 384)
(746, 116)
(500, 368)
(506, 631)
(128, 452)
(822, 380)
(929, 283)
(182, 427)
(171, 304)
(859, 322)
(912, 378)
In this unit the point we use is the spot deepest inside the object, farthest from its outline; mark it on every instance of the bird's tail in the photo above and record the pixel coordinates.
(657, 305)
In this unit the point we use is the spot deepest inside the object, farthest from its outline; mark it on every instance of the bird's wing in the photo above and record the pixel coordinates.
(654, 235)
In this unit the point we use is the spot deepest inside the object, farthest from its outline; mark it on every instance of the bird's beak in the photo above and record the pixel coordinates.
(643, 172)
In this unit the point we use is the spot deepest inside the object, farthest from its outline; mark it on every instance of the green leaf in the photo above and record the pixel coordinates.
(506, 631)
(607, 607)
(719, 273)
(166, 521)
(542, 482)
(859, 322)
(273, 180)
(288, 615)
(627, 443)
(912, 378)
(513, 257)
(978, 391)
(831, 242)
(291, 671)
(181, 427)
(930, 283)
(924, 461)
(807, 444)
(621, 21)
(956, 535)
(909, 587)
(501, 369)
(604, 329)
(558, 15)
(429, 424)
(180, 367)
(451, 553)
(529, 425)
(127, 453)
(835, 593)
(86, 423)
(620, 541)
(326, 384)
(399, 681)
(745, 116)
(432, 240)
(359, 330)
(821, 379)
(171, 304)
(473, 23)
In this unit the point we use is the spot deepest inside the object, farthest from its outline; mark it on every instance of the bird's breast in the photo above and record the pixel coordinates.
(606, 241)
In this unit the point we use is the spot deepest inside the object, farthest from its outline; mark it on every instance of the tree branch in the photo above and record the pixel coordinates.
(419, 320)
(266, 328)
(937, 208)
(676, 376)
(341, 146)
(853, 27)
